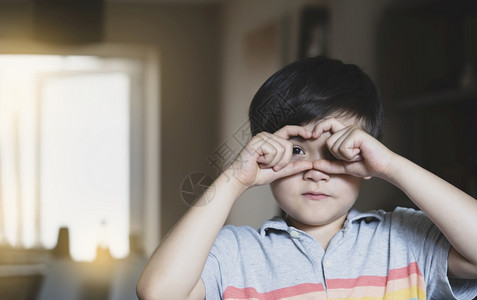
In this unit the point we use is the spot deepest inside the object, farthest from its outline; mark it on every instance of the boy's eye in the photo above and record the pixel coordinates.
(297, 150)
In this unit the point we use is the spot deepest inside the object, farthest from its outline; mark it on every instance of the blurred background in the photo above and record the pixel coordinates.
(116, 114)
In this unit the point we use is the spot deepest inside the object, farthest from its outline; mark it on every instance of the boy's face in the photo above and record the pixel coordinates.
(315, 198)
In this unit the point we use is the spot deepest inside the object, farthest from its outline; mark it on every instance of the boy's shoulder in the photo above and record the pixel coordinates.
(232, 236)
(234, 231)
(383, 215)
(398, 218)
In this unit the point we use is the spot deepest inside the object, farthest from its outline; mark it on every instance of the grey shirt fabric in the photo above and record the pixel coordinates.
(399, 254)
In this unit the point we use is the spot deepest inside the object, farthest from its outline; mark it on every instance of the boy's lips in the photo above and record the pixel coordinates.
(315, 195)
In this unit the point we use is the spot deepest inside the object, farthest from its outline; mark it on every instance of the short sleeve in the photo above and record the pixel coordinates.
(211, 278)
(431, 250)
(220, 263)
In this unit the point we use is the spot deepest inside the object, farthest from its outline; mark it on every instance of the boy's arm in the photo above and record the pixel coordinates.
(174, 269)
(453, 211)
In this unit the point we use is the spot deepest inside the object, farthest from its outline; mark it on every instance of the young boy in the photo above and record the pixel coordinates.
(315, 127)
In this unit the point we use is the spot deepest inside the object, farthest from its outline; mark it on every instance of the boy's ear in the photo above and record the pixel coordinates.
(367, 177)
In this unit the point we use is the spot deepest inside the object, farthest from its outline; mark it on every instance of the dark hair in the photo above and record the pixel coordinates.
(312, 89)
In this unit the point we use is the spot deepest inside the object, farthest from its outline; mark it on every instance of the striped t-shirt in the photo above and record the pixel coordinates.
(377, 255)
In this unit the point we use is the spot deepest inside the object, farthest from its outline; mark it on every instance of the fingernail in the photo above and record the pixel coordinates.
(277, 168)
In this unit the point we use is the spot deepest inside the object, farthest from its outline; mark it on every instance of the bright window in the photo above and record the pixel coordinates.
(65, 152)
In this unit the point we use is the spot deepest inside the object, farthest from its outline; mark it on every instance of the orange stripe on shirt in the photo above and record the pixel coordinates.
(394, 274)
(412, 283)
(251, 293)
(408, 278)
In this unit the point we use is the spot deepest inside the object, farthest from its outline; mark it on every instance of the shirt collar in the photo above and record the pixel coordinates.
(370, 216)
(279, 224)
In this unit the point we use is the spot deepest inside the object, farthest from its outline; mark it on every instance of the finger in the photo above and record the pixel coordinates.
(292, 169)
(287, 156)
(328, 125)
(340, 167)
(334, 141)
(284, 134)
(270, 149)
(344, 144)
(284, 156)
(280, 150)
(349, 145)
(289, 131)
(330, 167)
(264, 149)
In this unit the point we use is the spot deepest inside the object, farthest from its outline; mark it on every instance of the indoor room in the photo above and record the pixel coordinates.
(117, 115)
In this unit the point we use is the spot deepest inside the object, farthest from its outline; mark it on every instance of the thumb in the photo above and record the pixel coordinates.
(330, 167)
(295, 168)
(354, 168)
(289, 170)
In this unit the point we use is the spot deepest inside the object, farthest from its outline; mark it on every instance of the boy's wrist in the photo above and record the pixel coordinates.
(228, 180)
(394, 169)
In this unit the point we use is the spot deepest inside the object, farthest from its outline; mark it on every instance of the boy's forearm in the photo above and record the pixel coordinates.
(452, 210)
(176, 265)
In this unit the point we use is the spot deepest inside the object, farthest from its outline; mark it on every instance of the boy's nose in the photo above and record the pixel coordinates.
(315, 175)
